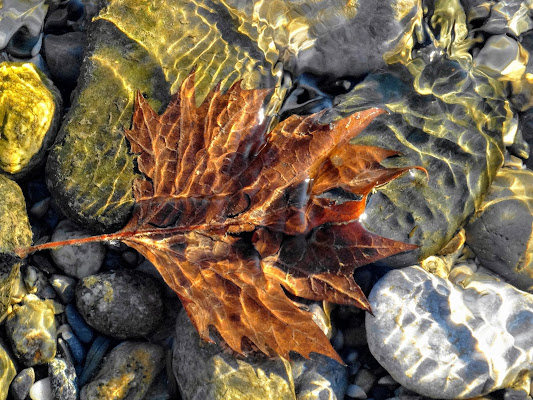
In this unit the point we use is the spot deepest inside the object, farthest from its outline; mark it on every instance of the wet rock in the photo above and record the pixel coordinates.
(206, 370)
(7, 372)
(64, 287)
(64, 55)
(502, 57)
(447, 341)
(21, 385)
(460, 154)
(41, 390)
(76, 261)
(127, 373)
(83, 331)
(95, 354)
(62, 379)
(31, 331)
(31, 107)
(15, 14)
(123, 304)
(15, 232)
(501, 232)
(23, 44)
(90, 172)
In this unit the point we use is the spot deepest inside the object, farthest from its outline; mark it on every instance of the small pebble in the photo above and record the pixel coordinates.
(39, 209)
(82, 330)
(387, 380)
(62, 379)
(76, 347)
(64, 287)
(338, 340)
(96, 353)
(365, 379)
(21, 385)
(356, 392)
(76, 261)
(41, 390)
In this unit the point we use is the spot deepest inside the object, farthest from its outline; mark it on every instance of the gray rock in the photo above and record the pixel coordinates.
(127, 373)
(64, 55)
(62, 379)
(502, 57)
(31, 330)
(447, 341)
(207, 371)
(501, 232)
(64, 287)
(123, 304)
(20, 386)
(76, 261)
(15, 14)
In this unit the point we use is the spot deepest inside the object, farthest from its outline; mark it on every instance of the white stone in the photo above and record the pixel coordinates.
(76, 261)
(41, 390)
(447, 341)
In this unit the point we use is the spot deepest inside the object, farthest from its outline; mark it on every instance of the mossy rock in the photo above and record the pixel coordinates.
(15, 231)
(131, 48)
(30, 109)
(7, 371)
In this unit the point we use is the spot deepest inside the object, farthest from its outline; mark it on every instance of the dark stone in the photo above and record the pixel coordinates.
(64, 55)
(123, 304)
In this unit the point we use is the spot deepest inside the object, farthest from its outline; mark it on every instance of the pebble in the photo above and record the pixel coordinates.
(127, 372)
(76, 261)
(501, 232)
(34, 279)
(365, 379)
(356, 392)
(21, 385)
(32, 105)
(76, 347)
(122, 304)
(62, 379)
(447, 341)
(15, 14)
(64, 287)
(41, 390)
(83, 331)
(318, 377)
(95, 354)
(31, 330)
(64, 55)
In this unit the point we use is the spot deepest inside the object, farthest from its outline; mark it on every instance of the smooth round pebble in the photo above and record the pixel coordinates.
(64, 287)
(123, 304)
(127, 372)
(41, 390)
(356, 392)
(76, 261)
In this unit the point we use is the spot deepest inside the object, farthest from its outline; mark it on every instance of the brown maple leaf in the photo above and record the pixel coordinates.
(230, 214)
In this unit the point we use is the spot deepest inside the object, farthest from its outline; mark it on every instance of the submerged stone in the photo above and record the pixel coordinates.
(30, 107)
(89, 171)
(450, 341)
(15, 231)
(501, 232)
(7, 372)
(31, 330)
(17, 14)
(123, 304)
(207, 371)
(127, 372)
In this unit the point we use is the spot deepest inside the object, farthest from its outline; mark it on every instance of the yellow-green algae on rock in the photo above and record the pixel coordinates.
(29, 116)
(7, 372)
(15, 231)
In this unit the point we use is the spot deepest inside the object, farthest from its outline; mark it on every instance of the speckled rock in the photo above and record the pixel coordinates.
(127, 372)
(447, 341)
(7, 372)
(62, 379)
(501, 232)
(206, 371)
(31, 330)
(15, 231)
(123, 304)
(76, 261)
(31, 107)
